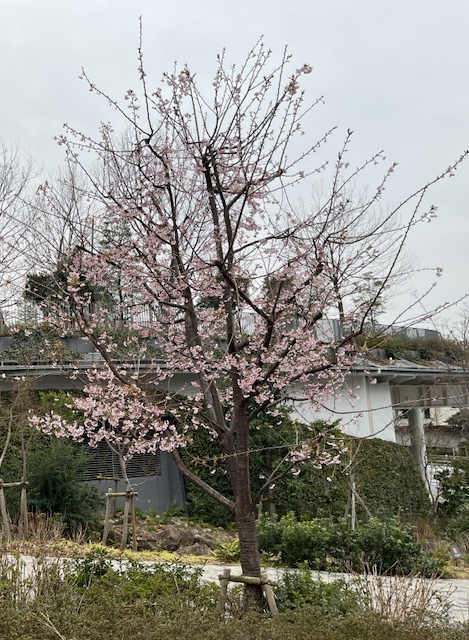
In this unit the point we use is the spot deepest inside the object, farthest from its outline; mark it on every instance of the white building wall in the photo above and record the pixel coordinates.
(371, 415)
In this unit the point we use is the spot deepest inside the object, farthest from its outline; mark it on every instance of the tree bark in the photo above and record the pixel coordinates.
(249, 552)
(244, 507)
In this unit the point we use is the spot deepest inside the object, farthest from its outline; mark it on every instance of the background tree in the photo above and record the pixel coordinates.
(457, 351)
(370, 291)
(205, 185)
(16, 174)
(61, 215)
(50, 469)
(55, 487)
(272, 439)
(17, 437)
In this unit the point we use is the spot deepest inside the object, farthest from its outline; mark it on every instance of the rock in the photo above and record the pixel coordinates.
(196, 549)
(171, 537)
(180, 534)
(212, 537)
(206, 537)
(114, 536)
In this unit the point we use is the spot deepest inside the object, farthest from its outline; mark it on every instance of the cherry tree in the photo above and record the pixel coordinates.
(226, 282)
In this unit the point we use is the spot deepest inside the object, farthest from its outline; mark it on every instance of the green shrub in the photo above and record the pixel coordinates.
(35, 345)
(392, 547)
(84, 571)
(148, 585)
(299, 588)
(324, 493)
(161, 581)
(54, 486)
(169, 604)
(453, 508)
(457, 527)
(331, 544)
(202, 508)
(399, 490)
(310, 541)
(454, 487)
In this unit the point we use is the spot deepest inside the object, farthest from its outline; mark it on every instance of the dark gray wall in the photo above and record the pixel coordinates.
(159, 492)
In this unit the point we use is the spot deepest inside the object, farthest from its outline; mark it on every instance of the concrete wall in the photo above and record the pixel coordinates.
(159, 492)
(370, 415)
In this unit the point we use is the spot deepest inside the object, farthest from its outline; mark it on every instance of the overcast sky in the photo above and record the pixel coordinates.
(394, 71)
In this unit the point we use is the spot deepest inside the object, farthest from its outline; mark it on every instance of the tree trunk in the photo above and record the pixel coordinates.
(4, 514)
(249, 548)
(418, 445)
(244, 510)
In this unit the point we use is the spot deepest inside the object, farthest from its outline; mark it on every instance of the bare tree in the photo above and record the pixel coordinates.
(61, 215)
(16, 173)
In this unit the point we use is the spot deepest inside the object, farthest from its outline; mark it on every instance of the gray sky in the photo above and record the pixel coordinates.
(394, 71)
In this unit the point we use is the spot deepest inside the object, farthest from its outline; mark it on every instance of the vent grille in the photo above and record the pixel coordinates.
(104, 462)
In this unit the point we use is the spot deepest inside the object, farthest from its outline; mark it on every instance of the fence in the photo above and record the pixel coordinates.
(21, 314)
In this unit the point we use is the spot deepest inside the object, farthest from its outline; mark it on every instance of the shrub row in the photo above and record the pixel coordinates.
(330, 544)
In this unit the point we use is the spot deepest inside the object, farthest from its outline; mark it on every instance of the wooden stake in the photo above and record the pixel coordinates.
(114, 502)
(269, 594)
(134, 522)
(354, 512)
(125, 523)
(263, 581)
(129, 496)
(4, 513)
(223, 597)
(23, 524)
(106, 518)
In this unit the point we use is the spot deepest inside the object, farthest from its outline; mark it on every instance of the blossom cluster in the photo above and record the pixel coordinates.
(120, 414)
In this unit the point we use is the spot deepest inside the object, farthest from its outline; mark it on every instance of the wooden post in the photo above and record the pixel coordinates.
(269, 594)
(354, 511)
(4, 513)
(114, 502)
(23, 524)
(106, 518)
(125, 522)
(114, 479)
(134, 521)
(264, 581)
(222, 598)
(129, 506)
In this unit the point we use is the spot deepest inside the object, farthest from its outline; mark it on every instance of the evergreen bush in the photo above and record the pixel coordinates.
(299, 588)
(387, 479)
(331, 544)
(54, 486)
